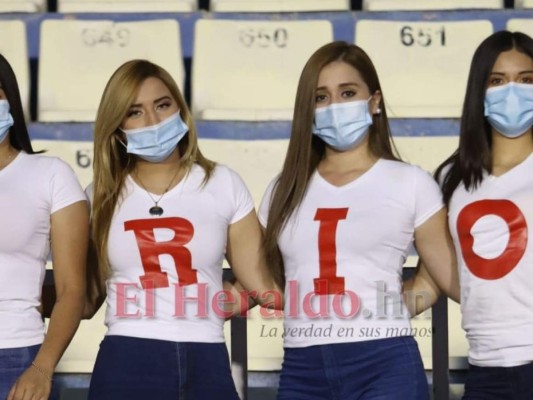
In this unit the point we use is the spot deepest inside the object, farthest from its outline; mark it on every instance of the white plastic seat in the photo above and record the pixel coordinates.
(523, 3)
(126, 6)
(15, 51)
(25, 6)
(278, 5)
(423, 66)
(78, 57)
(249, 70)
(405, 5)
(521, 25)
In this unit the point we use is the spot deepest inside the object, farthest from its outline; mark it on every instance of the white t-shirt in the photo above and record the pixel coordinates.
(490, 227)
(186, 244)
(359, 233)
(32, 188)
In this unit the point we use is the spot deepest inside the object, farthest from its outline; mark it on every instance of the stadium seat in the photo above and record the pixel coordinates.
(521, 25)
(423, 66)
(15, 50)
(126, 6)
(78, 57)
(278, 5)
(405, 5)
(523, 3)
(25, 6)
(249, 70)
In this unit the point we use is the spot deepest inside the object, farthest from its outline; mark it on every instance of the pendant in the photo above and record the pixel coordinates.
(156, 210)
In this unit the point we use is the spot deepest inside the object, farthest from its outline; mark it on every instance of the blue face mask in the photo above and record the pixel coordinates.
(157, 142)
(343, 125)
(509, 108)
(6, 120)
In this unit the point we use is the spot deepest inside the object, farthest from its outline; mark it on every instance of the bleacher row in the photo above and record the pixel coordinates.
(244, 69)
(76, 6)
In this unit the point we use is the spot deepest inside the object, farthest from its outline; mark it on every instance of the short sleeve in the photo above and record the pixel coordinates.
(264, 207)
(428, 197)
(89, 193)
(64, 186)
(241, 198)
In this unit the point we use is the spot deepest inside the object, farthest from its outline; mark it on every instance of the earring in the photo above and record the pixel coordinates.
(378, 111)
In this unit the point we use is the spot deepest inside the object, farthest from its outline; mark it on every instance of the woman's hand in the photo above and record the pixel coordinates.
(34, 384)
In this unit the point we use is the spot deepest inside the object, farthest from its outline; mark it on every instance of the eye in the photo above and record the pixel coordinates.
(348, 93)
(164, 105)
(527, 79)
(320, 98)
(495, 81)
(133, 113)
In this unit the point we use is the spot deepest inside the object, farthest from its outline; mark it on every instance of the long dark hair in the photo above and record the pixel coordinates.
(306, 150)
(473, 155)
(18, 133)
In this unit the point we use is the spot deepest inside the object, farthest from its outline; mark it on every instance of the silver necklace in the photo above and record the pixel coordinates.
(157, 210)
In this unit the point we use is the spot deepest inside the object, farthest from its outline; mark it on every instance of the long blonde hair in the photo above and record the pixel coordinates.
(111, 161)
(306, 150)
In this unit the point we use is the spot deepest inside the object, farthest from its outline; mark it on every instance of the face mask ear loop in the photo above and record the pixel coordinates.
(120, 140)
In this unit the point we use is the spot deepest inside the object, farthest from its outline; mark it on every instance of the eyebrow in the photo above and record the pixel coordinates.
(155, 101)
(340, 85)
(520, 73)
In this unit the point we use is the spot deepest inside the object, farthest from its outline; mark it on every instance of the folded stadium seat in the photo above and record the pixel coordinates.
(126, 6)
(22, 6)
(521, 25)
(15, 50)
(523, 3)
(249, 70)
(78, 57)
(278, 5)
(406, 5)
(423, 66)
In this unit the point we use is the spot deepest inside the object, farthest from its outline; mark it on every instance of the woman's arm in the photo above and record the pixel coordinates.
(420, 291)
(439, 264)
(69, 238)
(245, 254)
(96, 289)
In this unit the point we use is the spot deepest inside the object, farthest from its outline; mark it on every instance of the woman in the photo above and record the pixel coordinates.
(164, 217)
(488, 186)
(339, 220)
(42, 205)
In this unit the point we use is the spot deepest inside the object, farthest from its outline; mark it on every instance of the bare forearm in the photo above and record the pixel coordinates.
(419, 294)
(242, 300)
(64, 322)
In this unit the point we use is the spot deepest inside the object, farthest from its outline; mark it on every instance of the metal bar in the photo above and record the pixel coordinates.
(441, 379)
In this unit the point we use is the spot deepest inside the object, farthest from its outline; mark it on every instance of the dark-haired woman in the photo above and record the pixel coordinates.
(488, 185)
(339, 221)
(42, 208)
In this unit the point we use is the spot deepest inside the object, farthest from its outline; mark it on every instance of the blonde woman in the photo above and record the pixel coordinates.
(164, 217)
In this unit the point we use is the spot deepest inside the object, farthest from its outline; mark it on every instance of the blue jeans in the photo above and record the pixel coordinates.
(130, 368)
(13, 362)
(499, 383)
(384, 369)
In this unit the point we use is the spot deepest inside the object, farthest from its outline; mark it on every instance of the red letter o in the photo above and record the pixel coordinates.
(498, 267)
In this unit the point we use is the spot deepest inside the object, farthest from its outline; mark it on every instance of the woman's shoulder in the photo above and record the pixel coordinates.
(220, 173)
(45, 164)
(398, 166)
(406, 171)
